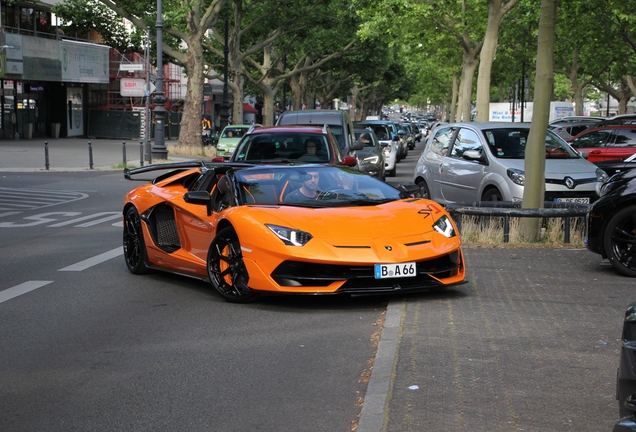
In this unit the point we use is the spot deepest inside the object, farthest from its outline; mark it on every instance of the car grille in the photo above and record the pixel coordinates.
(361, 278)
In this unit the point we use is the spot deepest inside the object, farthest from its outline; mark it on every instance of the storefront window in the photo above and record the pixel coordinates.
(26, 18)
(9, 16)
(43, 21)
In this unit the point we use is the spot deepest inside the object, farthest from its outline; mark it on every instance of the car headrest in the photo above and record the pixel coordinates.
(223, 184)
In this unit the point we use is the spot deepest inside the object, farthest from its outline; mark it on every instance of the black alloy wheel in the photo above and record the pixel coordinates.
(619, 241)
(134, 247)
(226, 268)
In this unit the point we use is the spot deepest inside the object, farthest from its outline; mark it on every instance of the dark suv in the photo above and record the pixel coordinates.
(338, 121)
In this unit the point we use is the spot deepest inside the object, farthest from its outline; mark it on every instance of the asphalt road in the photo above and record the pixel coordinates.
(85, 345)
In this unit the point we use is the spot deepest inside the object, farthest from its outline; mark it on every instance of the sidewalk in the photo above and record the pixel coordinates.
(73, 154)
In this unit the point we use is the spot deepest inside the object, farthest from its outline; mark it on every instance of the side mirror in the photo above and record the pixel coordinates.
(350, 161)
(218, 159)
(583, 153)
(200, 198)
(474, 155)
(409, 189)
(395, 137)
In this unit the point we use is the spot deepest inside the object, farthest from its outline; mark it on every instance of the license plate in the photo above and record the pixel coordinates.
(573, 200)
(384, 271)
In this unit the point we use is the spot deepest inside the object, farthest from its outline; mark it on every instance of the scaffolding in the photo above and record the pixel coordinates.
(173, 82)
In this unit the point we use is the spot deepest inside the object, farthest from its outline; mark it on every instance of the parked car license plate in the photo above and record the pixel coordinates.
(384, 271)
(573, 200)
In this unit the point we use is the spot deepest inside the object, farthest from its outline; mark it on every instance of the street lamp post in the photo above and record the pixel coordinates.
(225, 106)
(147, 150)
(159, 150)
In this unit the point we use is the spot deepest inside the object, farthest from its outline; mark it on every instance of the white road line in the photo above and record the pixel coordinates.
(109, 216)
(83, 265)
(23, 288)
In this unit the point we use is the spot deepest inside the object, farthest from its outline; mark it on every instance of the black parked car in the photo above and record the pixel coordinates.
(626, 375)
(611, 223)
(612, 167)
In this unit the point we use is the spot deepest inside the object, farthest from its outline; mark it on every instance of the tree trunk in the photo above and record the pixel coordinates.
(454, 96)
(237, 98)
(496, 11)
(534, 163)
(468, 73)
(488, 50)
(268, 104)
(190, 125)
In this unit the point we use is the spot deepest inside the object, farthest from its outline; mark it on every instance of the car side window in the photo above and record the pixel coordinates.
(466, 140)
(441, 141)
(592, 139)
(625, 138)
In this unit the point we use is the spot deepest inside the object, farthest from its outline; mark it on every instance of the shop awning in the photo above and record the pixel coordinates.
(249, 109)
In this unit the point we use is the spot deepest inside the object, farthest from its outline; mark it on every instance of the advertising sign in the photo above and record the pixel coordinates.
(134, 87)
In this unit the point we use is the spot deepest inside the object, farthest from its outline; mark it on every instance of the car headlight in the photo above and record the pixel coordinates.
(371, 160)
(601, 176)
(289, 236)
(516, 175)
(444, 226)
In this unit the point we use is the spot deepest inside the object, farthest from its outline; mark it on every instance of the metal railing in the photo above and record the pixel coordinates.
(508, 209)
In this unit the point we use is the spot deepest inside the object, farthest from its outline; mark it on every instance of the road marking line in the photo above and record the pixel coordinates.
(109, 216)
(83, 265)
(23, 288)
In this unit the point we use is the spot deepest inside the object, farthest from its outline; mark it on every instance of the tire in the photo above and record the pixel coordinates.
(492, 194)
(226, 268)
(135, 253)
(424, 192)
(619, 241)
(392, 172)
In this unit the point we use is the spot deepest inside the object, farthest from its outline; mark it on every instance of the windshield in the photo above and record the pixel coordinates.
(230, 132)
(313, 186)
(284, 146)
(510, 143)
(365, 138)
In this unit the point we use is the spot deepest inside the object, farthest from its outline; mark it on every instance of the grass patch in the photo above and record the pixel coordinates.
(479, 231)
(207, 151)
(125, 165)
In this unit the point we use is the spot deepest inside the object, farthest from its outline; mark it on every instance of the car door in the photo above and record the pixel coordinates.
(594, 143)
(433, 159)
(460, 178)
(624, 144)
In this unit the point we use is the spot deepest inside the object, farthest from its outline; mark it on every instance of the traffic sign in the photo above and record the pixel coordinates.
(131, 67)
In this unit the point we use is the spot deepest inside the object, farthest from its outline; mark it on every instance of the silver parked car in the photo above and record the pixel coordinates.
(471, 162)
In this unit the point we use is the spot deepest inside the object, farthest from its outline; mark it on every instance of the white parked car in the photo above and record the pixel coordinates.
(471, 162)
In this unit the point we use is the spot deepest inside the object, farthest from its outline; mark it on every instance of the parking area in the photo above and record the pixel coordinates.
(531, 343)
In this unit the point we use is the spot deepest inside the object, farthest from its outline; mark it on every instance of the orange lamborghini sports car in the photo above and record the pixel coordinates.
(301, 229)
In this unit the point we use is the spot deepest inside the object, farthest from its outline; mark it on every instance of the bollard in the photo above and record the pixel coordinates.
(123, 152)
(46, 155)
(90, 155)
(141, 153)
